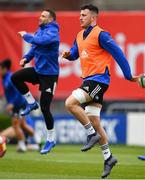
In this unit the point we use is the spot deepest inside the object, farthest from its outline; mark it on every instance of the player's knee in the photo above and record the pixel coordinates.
(71, 103)
(79, 95)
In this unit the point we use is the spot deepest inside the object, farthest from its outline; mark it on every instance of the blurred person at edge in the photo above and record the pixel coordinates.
(45, 51)
(15, 103)
(32, 142)
(142, 157)
(95, 48)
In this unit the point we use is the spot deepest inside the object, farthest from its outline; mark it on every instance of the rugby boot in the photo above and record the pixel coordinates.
(141, 157)
(91, 141)
(47, 147)
(29, 108)
(108, 165)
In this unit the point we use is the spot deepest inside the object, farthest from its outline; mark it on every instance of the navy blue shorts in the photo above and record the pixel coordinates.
(95, 90)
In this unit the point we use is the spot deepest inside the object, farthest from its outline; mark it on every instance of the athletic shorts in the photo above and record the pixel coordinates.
(48, 83)
(95, 90)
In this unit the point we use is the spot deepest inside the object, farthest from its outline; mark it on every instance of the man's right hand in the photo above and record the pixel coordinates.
(65, 54)
(23, 62)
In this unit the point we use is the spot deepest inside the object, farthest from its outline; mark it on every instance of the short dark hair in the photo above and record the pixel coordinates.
(6, 63)
(52, 13)
(91, 8)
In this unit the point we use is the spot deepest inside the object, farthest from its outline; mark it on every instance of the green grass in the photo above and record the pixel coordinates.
(68, 162)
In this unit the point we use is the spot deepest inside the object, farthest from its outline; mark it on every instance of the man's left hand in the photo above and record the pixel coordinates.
(22, 33)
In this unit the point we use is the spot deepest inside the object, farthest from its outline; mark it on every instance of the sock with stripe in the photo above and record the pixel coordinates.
(106, 151)
(89, 129)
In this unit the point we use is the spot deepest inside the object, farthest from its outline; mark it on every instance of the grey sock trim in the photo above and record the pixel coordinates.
(105, 146)
(87, 126)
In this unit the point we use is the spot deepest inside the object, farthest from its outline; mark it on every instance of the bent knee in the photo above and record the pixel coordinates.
(79, 95)
(70, 103)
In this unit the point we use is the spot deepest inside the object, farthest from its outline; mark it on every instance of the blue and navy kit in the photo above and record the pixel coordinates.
(11, 93)
(107, 43)
(44, 49)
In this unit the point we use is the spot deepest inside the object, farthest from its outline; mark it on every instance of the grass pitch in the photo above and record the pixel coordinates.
(68, 162)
